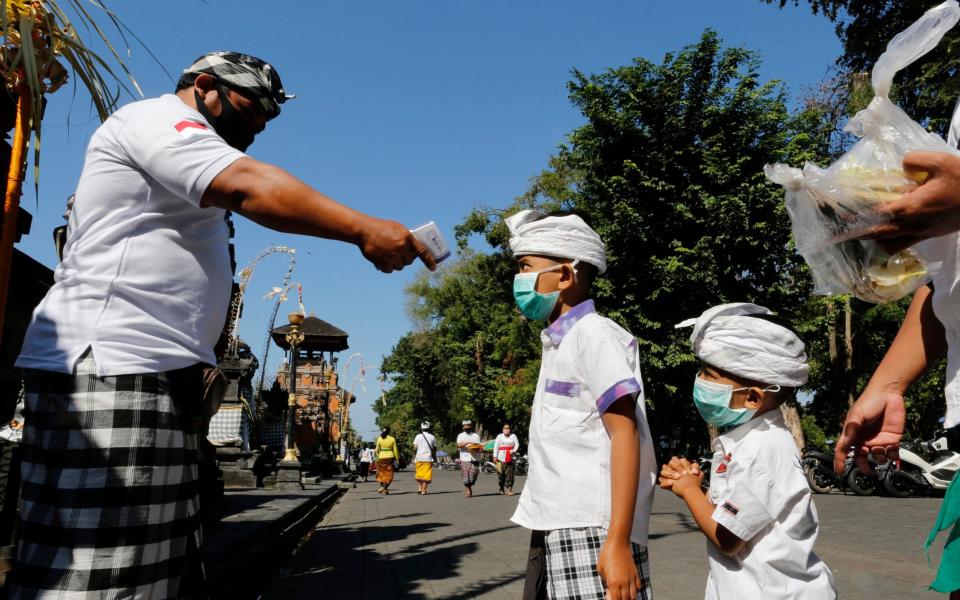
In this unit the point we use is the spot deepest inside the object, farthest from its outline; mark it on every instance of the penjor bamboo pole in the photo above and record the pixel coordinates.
(11, 201)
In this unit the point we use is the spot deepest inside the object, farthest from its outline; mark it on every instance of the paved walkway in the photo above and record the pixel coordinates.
(446, 546)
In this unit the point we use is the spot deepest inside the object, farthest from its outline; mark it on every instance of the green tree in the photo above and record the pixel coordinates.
(926, 90)
(669, 170)
(472, 355)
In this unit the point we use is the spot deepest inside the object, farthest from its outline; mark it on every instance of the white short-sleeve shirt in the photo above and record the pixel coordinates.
(145, 278)
(762, 496)
(946, 306)
(424, 444)
(468, 438)
(589, 362)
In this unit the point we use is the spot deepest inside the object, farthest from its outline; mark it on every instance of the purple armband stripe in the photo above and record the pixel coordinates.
(616, 391)
(563, 388)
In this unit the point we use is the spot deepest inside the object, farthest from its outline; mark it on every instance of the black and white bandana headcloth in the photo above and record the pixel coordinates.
(246, 74)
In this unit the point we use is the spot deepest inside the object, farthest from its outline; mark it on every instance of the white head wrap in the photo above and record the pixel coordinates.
(532, 232)
(728, 338)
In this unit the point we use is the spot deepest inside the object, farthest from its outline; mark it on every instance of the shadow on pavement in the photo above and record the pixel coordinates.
(354, 562)
(472, 591)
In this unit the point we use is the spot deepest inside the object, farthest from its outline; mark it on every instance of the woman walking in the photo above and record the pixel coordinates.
(387, 454)
(366, 458)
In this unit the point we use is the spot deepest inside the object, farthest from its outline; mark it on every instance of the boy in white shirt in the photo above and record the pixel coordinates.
(589, 489)
(758, 515)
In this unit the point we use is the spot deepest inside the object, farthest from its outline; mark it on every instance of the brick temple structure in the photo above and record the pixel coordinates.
(320, 398)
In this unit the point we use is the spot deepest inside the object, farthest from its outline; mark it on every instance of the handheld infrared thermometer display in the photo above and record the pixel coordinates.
(429, 234)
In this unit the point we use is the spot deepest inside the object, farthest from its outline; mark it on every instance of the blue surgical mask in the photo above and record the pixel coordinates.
(713, 402)
(534, 305)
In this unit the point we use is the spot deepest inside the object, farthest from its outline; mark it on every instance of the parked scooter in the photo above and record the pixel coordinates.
(924, 467)
(521, 464)
(818, 467)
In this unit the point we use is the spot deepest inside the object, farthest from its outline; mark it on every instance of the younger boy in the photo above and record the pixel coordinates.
(758, 516)
(589, 490)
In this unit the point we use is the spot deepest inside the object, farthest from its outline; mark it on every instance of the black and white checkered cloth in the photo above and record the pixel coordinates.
(572, 556)
(109, 497)
(227, 426)
(271, 435)
(243, 72)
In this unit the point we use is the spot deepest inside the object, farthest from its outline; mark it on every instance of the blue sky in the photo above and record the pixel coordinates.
(412, 110)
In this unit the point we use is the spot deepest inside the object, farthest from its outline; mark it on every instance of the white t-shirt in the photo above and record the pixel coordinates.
(366, 455)
(424, 443)
(946, 306)
(145, 278)
(762, 497)
(468, 438)
(505, 447)
(589, 362)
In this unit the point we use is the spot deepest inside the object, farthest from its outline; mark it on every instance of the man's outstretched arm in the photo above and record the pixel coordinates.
(276, 199)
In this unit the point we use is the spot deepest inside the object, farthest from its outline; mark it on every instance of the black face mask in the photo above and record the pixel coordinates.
(229, 125)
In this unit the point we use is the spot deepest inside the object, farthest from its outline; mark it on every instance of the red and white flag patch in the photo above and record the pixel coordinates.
(189, 126)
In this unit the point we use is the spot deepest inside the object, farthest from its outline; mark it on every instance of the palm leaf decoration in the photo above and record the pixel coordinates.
(40, 47)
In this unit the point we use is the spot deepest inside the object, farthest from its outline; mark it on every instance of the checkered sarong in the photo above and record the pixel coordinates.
(272, 436)
(572, 556)
(109, 497)
(469, 470)
(227, 426)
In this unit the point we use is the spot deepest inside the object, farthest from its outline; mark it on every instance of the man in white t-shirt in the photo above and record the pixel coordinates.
(426, 453)
(470, 455)
(114, 358)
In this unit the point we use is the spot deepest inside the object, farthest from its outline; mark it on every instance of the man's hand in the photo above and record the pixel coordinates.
(618, 571)
(874, 425)
(390, 246)
(931, 210)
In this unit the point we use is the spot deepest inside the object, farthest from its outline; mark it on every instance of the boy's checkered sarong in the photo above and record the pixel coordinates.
(109, 498)
(572, 556)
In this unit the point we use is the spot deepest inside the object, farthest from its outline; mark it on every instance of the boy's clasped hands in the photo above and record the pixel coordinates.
(679, 475)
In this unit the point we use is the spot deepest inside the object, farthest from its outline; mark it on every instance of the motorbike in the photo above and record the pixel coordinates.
(818, 468)
(924, 467)
(521, 465)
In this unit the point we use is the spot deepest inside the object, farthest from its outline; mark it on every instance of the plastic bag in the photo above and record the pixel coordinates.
(827, 205)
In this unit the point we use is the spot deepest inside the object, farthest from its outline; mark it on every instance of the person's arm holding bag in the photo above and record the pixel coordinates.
(875, 422)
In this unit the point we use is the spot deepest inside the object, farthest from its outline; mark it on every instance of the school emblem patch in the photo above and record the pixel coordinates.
(731, 508)
(722, 467)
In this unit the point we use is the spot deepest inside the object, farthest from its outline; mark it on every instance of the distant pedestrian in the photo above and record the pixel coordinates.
(387, 455)
(505, 449)
(426, 446)
(469, 444)
(366, 457)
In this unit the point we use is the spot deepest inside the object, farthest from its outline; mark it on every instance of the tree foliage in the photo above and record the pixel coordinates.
(668, 168)
(926, 90)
